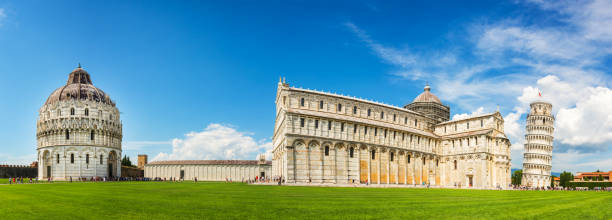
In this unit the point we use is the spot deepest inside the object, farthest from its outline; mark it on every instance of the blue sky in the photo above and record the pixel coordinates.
(197, 80)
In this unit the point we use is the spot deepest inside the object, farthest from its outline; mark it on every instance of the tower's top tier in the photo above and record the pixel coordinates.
(540, 108)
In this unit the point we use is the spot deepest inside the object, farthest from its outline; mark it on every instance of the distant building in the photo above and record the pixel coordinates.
(592, 176)
(78, 132)
(328, 138)
(209, 170)
(142, 160)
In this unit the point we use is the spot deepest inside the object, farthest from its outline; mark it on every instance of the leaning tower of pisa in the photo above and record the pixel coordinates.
(537, 156)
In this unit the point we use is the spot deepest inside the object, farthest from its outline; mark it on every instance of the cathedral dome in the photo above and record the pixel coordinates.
(79, 87)
(427, 96)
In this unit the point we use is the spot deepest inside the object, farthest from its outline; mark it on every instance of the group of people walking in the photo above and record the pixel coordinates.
(19, 180)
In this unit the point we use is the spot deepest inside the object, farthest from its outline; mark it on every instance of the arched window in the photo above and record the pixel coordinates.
(101, 159)
(284, 100)
(351, 152)
(369, 112)
(86, 112)
(365, 130)
(408, 158)
(302, 102)
(455, 162)
(71, 158)
(339, 107)
(415, 122)
(72, 111)
(481, 123)
(382, 115)
(92, 135)
(57, 159)
(373, 154)
(326, 150)
(67, 135)
(100, 114)
(424, 160)
(320, 104)
(468, 125)
(59, 112)
(391, 155)
(302, 122)
(329, 124)
(316, 123)
(87, 159)
(110, 117)
(354, 109)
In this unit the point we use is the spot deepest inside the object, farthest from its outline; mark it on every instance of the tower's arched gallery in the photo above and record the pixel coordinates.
(78, 132)
(321, 137)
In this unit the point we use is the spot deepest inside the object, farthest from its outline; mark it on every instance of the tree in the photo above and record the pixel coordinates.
(565, 178)
(600, 178)
(126, 161)
(517, 177)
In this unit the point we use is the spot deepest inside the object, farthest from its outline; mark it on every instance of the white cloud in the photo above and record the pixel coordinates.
(478, 112)
(2, 15)
(589, 122)
(216, 141)
(514, 129)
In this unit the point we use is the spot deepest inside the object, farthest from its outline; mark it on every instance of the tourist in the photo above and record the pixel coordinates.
(10, 180)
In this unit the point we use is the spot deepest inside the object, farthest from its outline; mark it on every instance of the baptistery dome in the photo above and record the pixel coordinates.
(79, 86)
(79, 132)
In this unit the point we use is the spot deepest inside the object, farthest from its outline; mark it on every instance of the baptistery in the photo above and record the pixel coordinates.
(78, 132)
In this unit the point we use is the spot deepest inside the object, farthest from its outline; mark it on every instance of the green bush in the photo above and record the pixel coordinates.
(591, 185)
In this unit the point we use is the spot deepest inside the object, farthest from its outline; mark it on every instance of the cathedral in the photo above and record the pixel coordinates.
(78, 132)
(325, 138)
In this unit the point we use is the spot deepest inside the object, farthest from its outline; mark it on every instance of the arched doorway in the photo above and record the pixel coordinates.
(46, 164)
(112, 164)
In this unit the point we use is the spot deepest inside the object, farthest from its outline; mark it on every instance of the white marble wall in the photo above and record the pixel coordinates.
(207, 172)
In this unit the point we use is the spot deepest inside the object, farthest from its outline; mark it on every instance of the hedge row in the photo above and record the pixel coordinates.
(589, 184)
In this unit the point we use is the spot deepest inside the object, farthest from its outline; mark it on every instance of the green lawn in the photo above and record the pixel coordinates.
(152, 200)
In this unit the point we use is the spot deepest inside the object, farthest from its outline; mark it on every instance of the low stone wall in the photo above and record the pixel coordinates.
(131, 172)
(7, 171)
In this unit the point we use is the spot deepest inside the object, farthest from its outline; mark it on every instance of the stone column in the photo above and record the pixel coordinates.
(369, 149)
(335, 171)
(388, 165)
(406, 167)
(378, 155)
